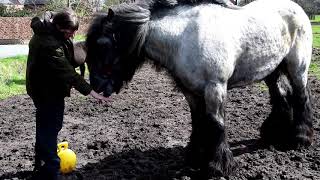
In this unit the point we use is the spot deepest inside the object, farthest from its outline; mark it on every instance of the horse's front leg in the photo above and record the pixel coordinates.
(218, 156)
(194, 150)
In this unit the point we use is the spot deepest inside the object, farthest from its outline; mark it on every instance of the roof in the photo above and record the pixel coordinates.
(22, 2)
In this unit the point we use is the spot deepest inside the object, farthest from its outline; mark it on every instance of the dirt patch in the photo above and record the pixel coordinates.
(143, 134)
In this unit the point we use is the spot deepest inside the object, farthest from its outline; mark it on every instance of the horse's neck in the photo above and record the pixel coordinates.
(160, 50)
(165, 39)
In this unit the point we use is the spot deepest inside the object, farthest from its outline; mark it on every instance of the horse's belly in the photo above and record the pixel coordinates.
(252, 71)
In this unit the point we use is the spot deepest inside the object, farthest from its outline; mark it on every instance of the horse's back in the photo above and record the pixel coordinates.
(291, 13)
(288, 27)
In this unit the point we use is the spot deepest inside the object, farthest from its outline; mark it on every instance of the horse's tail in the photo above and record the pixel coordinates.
(299, 26)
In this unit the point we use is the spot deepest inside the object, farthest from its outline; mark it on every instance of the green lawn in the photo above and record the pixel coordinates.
(12, 76)
(315, 69)
(315, 64)
(79, 37)
(316, 35)
(317, 19)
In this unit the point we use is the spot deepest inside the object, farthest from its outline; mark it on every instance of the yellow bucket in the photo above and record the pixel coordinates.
(68, 158)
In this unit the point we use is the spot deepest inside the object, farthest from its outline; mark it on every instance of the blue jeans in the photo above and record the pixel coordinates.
(49, 118)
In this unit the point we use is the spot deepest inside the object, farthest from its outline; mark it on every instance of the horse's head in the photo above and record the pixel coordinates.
(102, 54)
(113, 45)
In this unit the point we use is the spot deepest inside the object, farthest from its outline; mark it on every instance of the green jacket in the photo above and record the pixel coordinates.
(51, 67)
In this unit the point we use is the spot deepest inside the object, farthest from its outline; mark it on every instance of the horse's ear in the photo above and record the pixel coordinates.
(110, 14)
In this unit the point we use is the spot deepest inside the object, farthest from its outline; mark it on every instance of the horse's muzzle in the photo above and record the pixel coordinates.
(100, 84)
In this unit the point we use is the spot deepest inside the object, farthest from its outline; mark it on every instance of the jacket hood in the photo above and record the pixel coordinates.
(43, 25)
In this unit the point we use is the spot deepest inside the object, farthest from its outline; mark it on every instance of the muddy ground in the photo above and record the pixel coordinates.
(142, 134)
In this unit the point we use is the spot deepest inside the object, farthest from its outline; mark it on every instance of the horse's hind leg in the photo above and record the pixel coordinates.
(290, 123)
(298, 61)
(276, 129)
(302, 111)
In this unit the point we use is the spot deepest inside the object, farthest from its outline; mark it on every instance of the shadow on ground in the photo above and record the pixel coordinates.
(155, 164)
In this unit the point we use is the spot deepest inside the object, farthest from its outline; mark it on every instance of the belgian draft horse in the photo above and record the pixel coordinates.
(208, 49)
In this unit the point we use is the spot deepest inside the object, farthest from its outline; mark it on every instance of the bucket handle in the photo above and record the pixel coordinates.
(62, 146)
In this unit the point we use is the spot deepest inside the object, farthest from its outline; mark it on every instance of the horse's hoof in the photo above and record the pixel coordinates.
(193, 157)
(277, 129)
(223, 165)
(192, 162)
(215, 171)
(276, 137)
(303, 137)
(302, 142)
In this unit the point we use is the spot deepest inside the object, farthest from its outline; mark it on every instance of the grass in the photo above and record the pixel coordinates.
(315, 69)
(79, 37)
(315, 63)
(316, 19)
(262, 86)
(12, 76)
(316, 35)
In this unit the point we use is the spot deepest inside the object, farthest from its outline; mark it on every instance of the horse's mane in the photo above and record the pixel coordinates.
(132, 19)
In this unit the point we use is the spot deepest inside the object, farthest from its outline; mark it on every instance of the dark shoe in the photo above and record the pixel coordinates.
(43, 175)
(34, 176)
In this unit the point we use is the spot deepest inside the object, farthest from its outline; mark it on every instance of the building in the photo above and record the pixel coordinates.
(20, 4)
